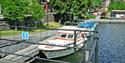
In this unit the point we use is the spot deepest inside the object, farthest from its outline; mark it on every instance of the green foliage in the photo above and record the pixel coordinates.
(36, 10)
(52, 25)
(9, 32)
(74, 7)
(19, 9)
(13, 9)
(97, 3)
(119, 5)
(91, 16)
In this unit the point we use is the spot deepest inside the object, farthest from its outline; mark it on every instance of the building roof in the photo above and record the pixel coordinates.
(118, 10)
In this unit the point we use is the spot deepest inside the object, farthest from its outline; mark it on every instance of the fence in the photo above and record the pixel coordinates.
(14, 43)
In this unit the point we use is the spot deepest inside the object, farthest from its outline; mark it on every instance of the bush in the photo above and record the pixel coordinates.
(91, 16)
(52, 25)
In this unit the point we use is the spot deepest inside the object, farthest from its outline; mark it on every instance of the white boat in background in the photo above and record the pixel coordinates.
(86, 25)
(63, 38)
(90, 25)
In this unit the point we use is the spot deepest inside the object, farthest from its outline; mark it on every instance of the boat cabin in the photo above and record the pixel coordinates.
(68, 34)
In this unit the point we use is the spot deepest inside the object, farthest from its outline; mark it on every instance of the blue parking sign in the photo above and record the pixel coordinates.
(25, 35)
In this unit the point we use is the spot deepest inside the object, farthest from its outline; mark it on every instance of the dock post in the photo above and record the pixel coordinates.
(87, 54)
(74, 40)
(75, 45)
(96, 38)
(96, 51)
(0, 34)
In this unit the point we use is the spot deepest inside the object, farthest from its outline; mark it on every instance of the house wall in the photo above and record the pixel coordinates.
(117, 14)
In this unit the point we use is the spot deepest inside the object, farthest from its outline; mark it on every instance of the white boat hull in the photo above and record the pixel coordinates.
(55, 51)
(61, 53)
(56, 54)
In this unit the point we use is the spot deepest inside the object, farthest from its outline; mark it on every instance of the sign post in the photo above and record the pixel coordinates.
(25, 35)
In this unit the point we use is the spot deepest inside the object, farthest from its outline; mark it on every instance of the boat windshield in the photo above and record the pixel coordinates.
(63, 35)
(66, 35)
(70, 36)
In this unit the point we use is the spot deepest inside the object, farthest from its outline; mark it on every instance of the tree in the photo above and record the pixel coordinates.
(116, 5)
(74, 7)
(36, 10)
(17, 10)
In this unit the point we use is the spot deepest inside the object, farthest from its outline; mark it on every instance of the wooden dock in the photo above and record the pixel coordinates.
(20, 52)
(30, 51)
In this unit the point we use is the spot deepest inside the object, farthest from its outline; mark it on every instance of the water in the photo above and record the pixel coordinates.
(111, 46)
(112, 43)
(73, 58)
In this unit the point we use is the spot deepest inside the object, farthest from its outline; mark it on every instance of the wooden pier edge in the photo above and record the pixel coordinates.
(30, 51)
(108, 21)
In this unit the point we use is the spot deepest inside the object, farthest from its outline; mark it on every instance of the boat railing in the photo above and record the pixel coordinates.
(24, 43)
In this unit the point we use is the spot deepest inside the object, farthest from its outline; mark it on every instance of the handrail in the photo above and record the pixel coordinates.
(36, 57)
(48, 28)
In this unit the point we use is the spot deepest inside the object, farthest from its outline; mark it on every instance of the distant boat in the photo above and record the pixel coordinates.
(90, 25)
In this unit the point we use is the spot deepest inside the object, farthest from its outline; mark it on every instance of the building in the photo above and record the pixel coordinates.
(105, 4)
(118, 13)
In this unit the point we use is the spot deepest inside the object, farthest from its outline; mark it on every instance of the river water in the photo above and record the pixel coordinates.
(111, 46)
(112, 43)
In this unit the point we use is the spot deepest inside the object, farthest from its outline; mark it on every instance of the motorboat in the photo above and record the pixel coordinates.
(63, 43)
(89, 25)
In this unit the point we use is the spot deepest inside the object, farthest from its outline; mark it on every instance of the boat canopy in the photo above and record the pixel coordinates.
(87, 24)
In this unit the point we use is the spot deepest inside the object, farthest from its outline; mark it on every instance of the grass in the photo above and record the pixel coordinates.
(12, 32)
(9, 32)
(52, 25)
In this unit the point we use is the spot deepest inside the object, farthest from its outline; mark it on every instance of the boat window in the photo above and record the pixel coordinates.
(63, 35)
(78, 36)
(57, 35)
(70, 36)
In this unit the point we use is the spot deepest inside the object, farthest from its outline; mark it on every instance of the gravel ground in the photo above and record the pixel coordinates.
(9, 46)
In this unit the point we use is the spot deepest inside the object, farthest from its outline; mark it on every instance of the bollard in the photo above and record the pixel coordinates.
(87, 54)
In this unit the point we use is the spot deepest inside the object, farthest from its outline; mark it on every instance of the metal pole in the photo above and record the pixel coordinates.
(15, 26)
(96, 47)
(75, 45)
(47, 19)
(53, 61)
(74, 40)
(84, 52)
(90, 53)
(47, 13)
(0, 34)
(96, 52)
(87, 55)
(83, 60)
